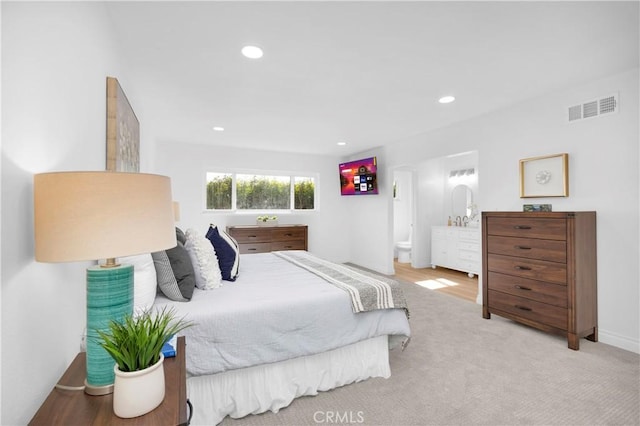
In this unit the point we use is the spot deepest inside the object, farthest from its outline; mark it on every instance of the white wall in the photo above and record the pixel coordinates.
(55, 60)
(370, 235)
(430, 208)
(402, 205)
(603, 175)
(462, 161)
(187, 165)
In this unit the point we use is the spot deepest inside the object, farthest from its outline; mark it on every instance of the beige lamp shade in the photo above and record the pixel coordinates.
(176, 211)
(101, 215)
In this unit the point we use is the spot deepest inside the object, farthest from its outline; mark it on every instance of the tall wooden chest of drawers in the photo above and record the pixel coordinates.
(262, 239)
(539, 269)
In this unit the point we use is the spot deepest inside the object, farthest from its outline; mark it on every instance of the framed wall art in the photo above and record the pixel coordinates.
(546, 176)
(123, 131)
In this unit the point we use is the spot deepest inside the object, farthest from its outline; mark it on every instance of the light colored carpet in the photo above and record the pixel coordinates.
(461, 369)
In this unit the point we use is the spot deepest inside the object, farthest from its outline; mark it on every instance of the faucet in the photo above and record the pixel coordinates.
(458, 221)
(465, 221)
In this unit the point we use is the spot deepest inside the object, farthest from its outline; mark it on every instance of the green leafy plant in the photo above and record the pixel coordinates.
(266, 218)
(136, 342)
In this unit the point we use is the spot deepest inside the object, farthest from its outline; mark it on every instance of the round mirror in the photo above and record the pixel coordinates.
(461, 199)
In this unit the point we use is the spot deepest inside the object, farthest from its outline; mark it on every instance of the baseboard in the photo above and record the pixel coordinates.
(618, 341)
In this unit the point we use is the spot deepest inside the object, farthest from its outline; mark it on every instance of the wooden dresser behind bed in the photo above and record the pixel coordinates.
(262, 239)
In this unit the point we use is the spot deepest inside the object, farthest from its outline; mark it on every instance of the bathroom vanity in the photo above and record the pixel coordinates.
(456, 247)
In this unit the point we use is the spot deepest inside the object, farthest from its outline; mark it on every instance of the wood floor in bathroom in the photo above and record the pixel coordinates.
(443, 280)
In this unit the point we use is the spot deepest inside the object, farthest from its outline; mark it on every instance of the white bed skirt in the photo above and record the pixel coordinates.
(254, 390)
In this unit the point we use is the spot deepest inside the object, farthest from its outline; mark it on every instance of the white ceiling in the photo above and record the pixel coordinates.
(368, 73)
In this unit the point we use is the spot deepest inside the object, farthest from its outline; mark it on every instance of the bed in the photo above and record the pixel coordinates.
(281, 331)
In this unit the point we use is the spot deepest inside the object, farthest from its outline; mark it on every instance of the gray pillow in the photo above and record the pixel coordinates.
(182, 269)
(176, 278)
(167, 282)
(180, 236)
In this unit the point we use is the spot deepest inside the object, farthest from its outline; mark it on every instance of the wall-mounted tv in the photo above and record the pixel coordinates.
(359, 177)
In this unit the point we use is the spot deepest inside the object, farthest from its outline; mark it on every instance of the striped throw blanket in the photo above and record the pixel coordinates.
(368, 291)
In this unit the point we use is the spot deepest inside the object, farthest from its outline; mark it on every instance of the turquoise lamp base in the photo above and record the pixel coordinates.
(109, 297)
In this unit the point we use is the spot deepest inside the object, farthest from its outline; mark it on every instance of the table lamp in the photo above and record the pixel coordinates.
(80, 216)
(176, 211)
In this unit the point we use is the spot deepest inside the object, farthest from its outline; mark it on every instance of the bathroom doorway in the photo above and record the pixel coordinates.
(403, 215)
(432, 184)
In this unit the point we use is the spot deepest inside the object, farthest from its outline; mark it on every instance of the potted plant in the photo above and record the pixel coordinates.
(267, 220)
(135, 344)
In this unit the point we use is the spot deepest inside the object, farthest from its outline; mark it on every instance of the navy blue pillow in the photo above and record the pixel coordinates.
(227, 251)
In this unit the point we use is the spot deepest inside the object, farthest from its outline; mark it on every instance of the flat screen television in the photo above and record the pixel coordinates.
(359, 177)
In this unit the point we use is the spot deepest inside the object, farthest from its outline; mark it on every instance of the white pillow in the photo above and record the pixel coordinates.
(204, 260)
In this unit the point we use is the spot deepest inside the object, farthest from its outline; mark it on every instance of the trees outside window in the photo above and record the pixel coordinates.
(304, 193)
(256, 192)
(219, 191)
(253, 191)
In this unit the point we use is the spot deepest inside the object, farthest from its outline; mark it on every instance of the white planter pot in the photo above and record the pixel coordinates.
(138, 392)
(267, 223)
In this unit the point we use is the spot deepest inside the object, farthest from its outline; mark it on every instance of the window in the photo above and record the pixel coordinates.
(304, 193)
(258, 191)
(254, 192)
(219, 190)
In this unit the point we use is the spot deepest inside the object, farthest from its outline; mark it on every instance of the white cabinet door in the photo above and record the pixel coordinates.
(468, 256)
(442, 246)
(456, 248)
(438, 252)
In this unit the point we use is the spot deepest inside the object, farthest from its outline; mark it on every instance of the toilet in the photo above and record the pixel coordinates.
(404, 249)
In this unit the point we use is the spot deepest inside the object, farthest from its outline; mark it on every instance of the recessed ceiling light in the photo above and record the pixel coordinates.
(341, 143)
(446, 99)
(218, 129)
(252, 52)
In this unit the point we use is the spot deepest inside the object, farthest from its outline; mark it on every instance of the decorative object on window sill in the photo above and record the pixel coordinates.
(267, 220)
(546, 176)
(69, 208)
(123, 131)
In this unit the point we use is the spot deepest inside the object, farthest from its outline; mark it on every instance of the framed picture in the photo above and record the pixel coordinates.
(123, 131)
(546, 176)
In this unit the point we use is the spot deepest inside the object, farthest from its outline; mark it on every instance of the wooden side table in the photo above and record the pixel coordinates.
(67, 407)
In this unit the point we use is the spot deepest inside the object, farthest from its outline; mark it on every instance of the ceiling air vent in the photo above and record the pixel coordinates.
(575, 112)
(590, 109)
(608, 104)
(593, 108)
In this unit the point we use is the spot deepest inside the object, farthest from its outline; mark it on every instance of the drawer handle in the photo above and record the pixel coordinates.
(288, 246)
(288, 235)
(252, 236)
(519, 287)
(522, 268)
(522, 227)
(522, 247)
(252, 249)
(524, 308)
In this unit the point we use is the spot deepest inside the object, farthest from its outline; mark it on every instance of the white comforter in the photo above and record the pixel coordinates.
(274, 311)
